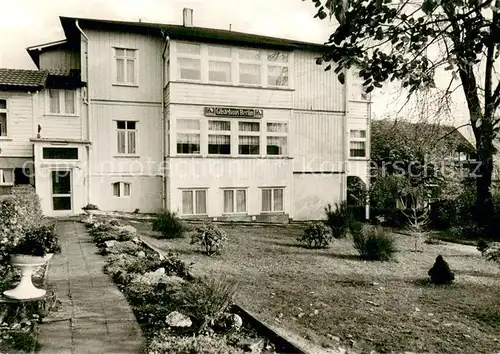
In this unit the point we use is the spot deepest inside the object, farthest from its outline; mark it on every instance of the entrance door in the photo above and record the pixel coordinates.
(61, 190)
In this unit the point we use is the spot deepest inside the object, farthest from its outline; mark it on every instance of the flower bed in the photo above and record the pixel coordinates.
(177, 313)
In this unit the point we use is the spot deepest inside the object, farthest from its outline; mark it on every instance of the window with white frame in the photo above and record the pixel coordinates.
(235, 201)
(272, 199)
(126, 66)
(126, 132)
(188, 136)
(356, 89)
(277, 138)
(121, 189)
(3, 117)
(188, 61)
(62, 101)
(6, 177)
(249, 138)
(219, 64)
(194, 202)
(357, 143)
(249, 66)
(277, 68)
(219, 137)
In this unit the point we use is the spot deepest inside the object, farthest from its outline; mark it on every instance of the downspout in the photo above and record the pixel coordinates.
(345, 140)
(369, 153)
(87, 101)
(163, 127)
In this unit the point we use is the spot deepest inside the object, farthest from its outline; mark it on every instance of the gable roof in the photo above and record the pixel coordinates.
(23, 80)
(201, 34)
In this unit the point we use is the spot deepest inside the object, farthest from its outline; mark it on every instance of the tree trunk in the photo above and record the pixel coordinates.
(483, 175)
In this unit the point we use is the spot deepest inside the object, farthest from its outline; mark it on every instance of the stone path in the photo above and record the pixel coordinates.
(94, 316)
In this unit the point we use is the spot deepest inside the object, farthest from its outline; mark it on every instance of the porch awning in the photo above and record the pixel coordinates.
(15, 162)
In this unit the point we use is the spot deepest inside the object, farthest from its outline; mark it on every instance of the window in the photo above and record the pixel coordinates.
(121, 189)
(189, 61)
(249, 142)
(126, 137)
(250, 66)
(188, 136)
(220, 143)
(219, 64)
(277, 139)
(357, 91)
(61, 190)
(277, 68)
(272, 199)
(50, 153)
(6, 177)
(357, 144)
(3, 117)
(62, 101)
(126, 66)
(194, 202)
(235, 201)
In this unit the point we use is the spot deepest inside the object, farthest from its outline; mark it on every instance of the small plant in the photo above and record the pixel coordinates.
(316, 235)
(90, 207)
(440, 273)
(338, 219)
(482, 246)
(210, 238)
(374, 244)
(38, 242)
(169, 225)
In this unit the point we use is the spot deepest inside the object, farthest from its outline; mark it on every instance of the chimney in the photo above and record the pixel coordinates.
(187, 18)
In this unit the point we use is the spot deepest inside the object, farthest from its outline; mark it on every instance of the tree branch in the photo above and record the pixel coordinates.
(448, 134)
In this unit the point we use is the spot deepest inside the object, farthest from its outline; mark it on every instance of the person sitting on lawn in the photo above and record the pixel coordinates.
(440, 273)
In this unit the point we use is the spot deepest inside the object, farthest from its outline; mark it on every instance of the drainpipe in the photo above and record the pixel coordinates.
(345, 140)
(87, 101)
(163, 127)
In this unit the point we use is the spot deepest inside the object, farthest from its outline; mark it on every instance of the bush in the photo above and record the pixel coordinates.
(210, 238)
(338, 219)
(315, 235)
(38, 242)
(203, 344)
(169, 225)
(374, 244)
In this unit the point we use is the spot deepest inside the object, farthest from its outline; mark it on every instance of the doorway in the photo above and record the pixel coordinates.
(62, 190)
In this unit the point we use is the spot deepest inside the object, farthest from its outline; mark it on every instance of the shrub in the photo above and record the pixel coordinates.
(315, 235)
(205, 300)
(38, 242)
(374, 244)
(338, 219)
(169, 225)
(482, 246)
(165, 343)
(210, 237)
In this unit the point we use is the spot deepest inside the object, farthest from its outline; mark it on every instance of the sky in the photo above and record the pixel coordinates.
(25, 23)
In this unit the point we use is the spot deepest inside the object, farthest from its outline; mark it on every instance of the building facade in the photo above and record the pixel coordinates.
(203, 122)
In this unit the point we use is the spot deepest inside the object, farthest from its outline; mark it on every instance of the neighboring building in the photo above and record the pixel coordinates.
(203, 122)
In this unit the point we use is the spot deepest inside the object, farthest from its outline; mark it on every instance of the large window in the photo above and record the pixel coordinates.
(277, 68)
(126, 137)
(126, 66)
(272, 199)
(53, 153)
(219, 64)
(194, 202)
(219, 137)
(6, 177)
(188, 61)
(357, 144)
(249, 138)
(235, 201)
(249, 66)
(188, 136)
(277, 138)
(3, 117)
(62, 101)
(121, 189)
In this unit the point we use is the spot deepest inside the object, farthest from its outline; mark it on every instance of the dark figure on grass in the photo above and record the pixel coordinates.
(440, 273)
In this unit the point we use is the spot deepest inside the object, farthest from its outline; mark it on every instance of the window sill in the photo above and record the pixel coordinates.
(235, 214)
(125, 84)
(60, 115)
(5, 138)
(359, 158)
(255, 157)
(6, 184)
(127, 156)
(359, 100)
(272, 213)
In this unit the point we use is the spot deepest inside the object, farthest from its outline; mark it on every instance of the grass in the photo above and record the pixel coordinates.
(380, 306)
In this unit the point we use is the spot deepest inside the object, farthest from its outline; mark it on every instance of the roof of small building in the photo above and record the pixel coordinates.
(20, 79)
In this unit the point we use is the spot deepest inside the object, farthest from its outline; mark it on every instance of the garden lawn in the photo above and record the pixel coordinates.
(326, 295)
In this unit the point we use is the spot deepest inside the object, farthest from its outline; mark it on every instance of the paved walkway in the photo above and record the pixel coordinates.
(94, 316)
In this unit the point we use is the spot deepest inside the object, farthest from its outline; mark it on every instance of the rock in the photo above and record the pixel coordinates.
(114, 222)
(159, 271)
(124, 247)
(172, 280)
(141, 254)
(177, 319)
(447, 324)
(372, 303)
(251, 345)
(374, 283)
(333, 338)
(237, 322)
(136, 240)
(109, 243)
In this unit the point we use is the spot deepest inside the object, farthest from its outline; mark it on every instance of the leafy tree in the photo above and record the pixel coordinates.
(389, 40)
